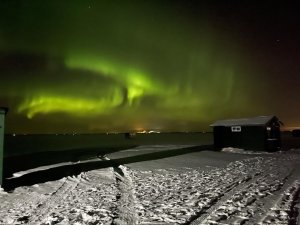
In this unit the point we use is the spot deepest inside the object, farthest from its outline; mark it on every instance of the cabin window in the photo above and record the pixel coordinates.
(236, 129)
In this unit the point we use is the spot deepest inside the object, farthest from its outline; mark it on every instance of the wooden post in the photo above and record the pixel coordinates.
(3, 111)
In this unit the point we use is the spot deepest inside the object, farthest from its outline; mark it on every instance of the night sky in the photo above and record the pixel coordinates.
(104, 66)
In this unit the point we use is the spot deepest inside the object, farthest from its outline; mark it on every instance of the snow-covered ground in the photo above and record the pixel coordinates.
(257, 189)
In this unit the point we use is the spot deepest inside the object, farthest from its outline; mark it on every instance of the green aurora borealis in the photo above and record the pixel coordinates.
(97, 66)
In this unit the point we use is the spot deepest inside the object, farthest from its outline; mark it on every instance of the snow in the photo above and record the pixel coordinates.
(40, 168)
(261, 189)
(242, 151)
(177, 196)
(88, 197)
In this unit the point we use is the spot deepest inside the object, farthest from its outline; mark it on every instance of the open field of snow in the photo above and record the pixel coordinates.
(205, 187)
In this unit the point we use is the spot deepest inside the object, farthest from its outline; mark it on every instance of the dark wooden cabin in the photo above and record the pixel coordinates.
(258, 133)
(296, 133)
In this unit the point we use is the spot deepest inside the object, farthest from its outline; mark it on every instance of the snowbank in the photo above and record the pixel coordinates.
(243, 151)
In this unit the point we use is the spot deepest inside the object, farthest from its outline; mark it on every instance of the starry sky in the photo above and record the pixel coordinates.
(92, 66)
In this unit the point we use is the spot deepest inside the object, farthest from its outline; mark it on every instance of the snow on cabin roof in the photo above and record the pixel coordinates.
(260, 120)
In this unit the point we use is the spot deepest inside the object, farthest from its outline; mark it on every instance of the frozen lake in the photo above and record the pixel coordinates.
(25, 144)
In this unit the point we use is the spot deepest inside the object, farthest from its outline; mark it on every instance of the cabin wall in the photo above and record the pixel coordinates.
(254, 137)
(250, 137)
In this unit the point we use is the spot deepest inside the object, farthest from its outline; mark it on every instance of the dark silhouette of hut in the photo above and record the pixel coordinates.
(258, 133)
(129, 135)
(3, 111)
(296, 133)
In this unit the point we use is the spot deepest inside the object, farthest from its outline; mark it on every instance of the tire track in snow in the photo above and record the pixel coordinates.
(124, 211)
(235, 194)
(176, 197)
(286, 209)
(248, 208)
(93, 201)
(89, 198)
(45, 208)
(242, 203)
(202, 216)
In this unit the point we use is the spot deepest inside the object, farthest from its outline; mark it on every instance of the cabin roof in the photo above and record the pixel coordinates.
(255, 121)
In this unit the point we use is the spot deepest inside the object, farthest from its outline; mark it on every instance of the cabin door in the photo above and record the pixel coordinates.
(273, 137)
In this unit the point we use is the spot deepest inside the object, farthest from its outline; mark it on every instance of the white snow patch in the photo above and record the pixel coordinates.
(41, 168)
(242, 151)
(89, 198)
